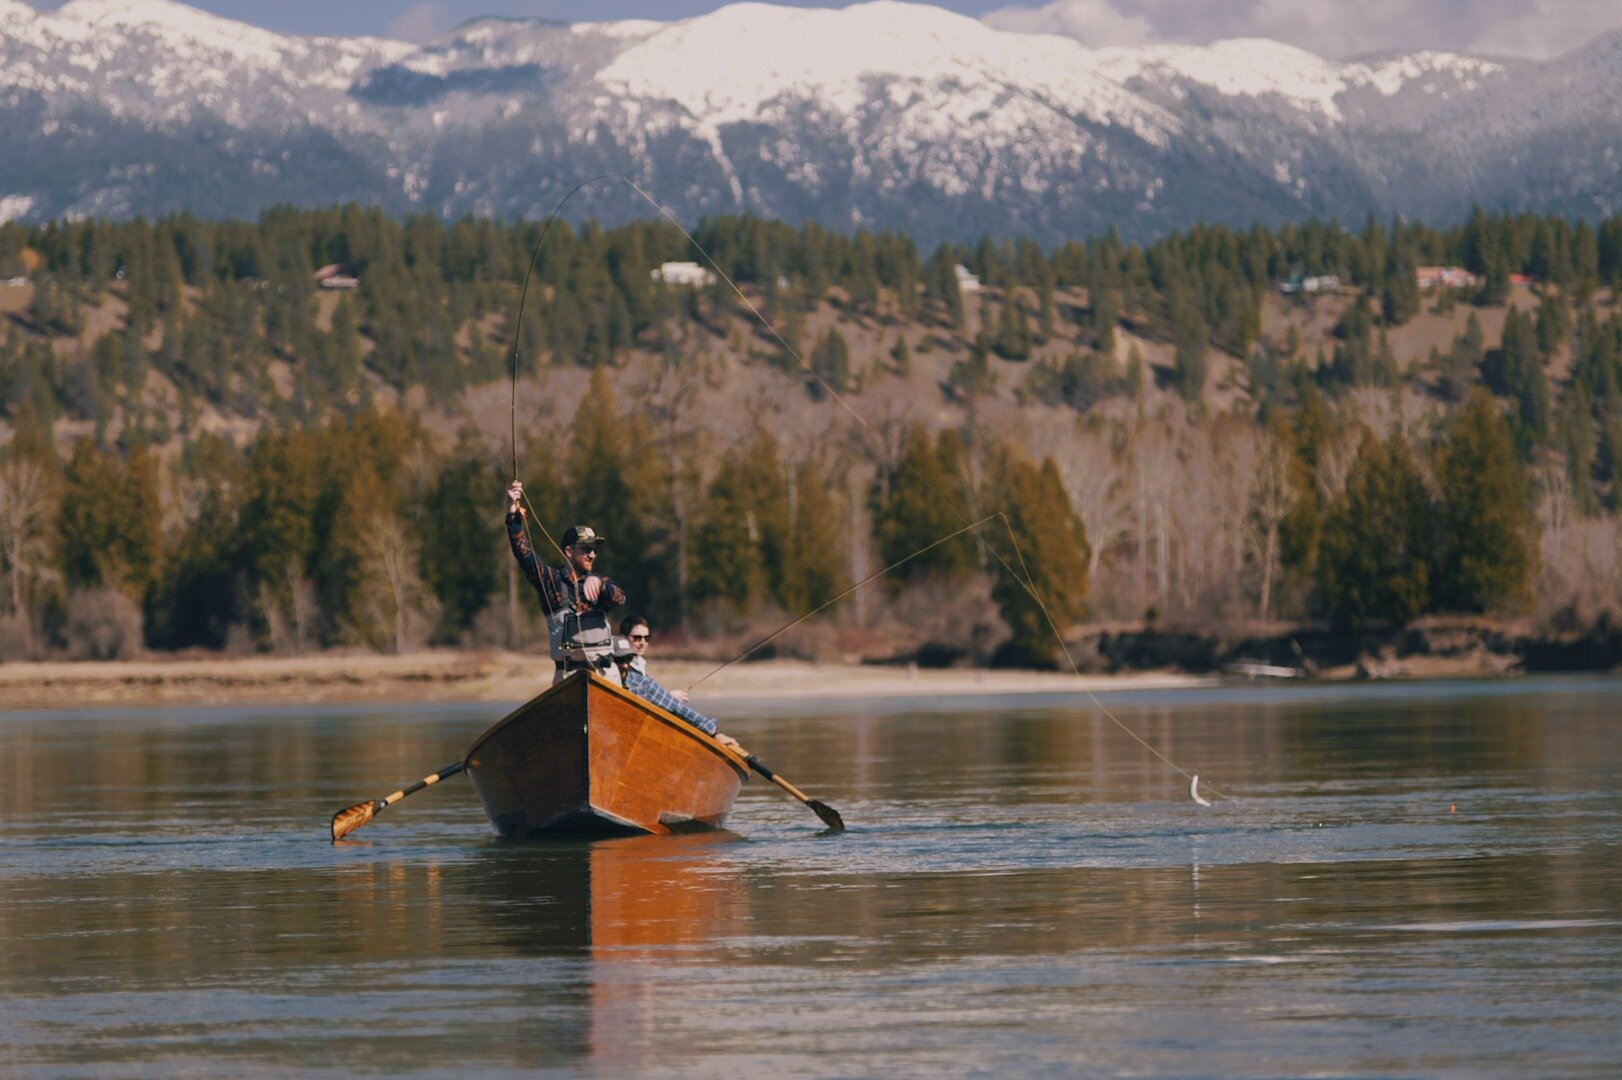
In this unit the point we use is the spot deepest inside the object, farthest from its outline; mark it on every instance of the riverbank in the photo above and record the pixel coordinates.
(1121, 657)
(493, 676)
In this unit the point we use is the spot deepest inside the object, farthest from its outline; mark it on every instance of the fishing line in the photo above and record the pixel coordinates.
(1029, 586)
(1024, 580)
(518, 325)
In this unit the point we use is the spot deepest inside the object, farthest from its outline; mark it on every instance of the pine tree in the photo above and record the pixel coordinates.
(972, 375)
(1574, 435)
(814, 570)
(1050, 545)
(1189, 339)
(1553, 323)
(111, 521)
(1013, 341)
(1106, 312)
(1516, 370)
(917, 504)
(1135, 376)
(1374, 558)
(1462, 363)
(463, 542)
(901, 356)
(198, 594)
(742, 528)
(1399, 295)
(830, 362)
(281, 517)
(1486, 558)
(940, 284)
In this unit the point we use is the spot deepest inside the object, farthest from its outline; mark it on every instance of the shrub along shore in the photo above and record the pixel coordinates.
(1111, 659)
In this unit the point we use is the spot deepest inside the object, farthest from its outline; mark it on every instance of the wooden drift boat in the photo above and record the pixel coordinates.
(588, 758)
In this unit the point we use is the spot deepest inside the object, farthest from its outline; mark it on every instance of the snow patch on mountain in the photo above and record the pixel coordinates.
(728, 66)
(13, 207)
(177, 24)
(195, 48)
(1255, 67)
(622, 28)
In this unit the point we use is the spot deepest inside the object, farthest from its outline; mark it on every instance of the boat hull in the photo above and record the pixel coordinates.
(587, 758)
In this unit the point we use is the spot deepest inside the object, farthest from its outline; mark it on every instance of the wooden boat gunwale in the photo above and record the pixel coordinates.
(726, 753)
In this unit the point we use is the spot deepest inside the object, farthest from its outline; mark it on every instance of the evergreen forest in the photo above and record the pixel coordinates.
(294, 433)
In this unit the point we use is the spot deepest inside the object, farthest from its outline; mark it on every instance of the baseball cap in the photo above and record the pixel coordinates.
(622, 648)
(581, 535)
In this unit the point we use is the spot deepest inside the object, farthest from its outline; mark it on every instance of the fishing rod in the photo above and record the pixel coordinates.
(1021, 577)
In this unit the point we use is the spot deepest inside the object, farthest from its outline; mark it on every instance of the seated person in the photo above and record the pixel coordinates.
(644, 687)
(635, 629)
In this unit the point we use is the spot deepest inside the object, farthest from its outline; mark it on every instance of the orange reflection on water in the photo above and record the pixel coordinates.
(655, 901)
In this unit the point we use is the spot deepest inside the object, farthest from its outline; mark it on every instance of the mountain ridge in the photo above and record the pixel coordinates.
(883, 114)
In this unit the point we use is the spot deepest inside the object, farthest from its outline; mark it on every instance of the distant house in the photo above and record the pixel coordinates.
(683, 273)
(1316, 283)
(1522, 279)
(332, 276)
(13, 282)
(1446, 277)
(966, 281)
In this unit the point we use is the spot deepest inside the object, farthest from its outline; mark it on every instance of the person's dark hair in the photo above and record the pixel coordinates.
(631, 622)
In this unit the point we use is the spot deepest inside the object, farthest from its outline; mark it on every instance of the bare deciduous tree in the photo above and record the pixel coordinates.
(27, 507)
(1271, 500)
(1097, 488)
(394, 608)
(291, 612)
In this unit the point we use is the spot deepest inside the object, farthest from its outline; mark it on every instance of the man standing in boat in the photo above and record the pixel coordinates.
(575, 598)
(644, 687)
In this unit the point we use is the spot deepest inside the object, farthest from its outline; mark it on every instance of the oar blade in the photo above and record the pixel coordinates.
(347, 821)
(830, 817)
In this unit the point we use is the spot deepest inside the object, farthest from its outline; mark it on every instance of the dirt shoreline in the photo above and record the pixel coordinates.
(493, 676)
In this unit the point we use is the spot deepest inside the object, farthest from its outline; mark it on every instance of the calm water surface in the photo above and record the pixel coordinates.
(1416, 880)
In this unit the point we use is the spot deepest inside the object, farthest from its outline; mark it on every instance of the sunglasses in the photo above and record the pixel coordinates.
(639, 637)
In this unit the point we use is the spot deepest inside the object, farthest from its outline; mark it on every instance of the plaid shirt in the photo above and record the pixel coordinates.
(558, 586)
(644, 687)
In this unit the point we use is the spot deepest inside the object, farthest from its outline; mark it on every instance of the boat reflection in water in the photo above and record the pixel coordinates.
(625, 916)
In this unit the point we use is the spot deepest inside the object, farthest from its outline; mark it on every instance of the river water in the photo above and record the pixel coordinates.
(1416, 880)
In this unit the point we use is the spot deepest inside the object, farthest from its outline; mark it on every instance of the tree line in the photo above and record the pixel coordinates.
(1346, 486)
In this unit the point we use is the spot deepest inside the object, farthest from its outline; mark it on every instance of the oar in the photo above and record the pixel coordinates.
(347, 821)
(830, 817)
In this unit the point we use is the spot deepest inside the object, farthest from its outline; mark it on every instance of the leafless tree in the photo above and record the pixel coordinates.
(290, 610)
(27, 506)
(1271, 500)
(1098, 491)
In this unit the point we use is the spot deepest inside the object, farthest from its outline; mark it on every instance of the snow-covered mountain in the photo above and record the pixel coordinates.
(885, 114)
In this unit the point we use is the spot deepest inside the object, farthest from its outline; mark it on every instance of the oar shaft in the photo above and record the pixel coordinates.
(830, 817)
(411, 789)
(348, 820)
(755, 764)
